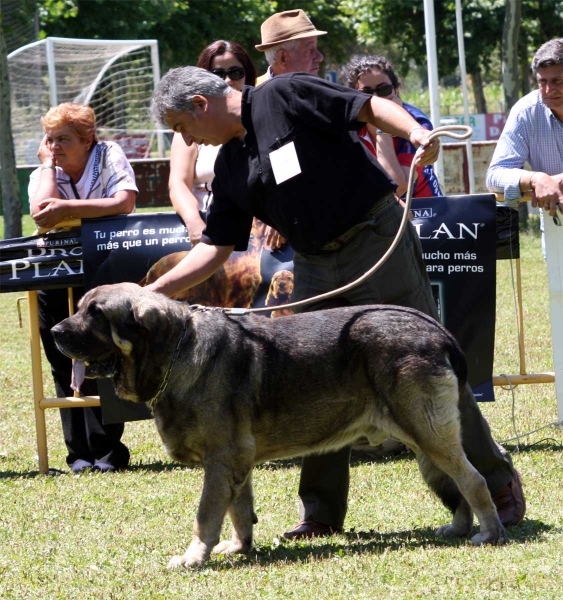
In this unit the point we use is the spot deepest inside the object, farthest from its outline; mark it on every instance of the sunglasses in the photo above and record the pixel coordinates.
(234, 73)
(383, 90)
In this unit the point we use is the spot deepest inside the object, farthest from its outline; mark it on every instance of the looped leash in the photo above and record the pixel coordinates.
(448, 131)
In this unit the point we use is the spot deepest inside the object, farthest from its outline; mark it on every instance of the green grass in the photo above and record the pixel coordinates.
(110, 536)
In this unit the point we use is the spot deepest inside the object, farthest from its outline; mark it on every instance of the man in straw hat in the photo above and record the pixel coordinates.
(289, 40)
(291, 156)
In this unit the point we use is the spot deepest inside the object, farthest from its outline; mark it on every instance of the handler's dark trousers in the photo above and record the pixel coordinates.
(401, 281)
(86, 437)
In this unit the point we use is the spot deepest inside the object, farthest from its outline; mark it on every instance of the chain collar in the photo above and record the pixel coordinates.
(166, 377)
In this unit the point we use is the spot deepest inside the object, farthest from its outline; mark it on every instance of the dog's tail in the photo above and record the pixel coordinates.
(456, 358)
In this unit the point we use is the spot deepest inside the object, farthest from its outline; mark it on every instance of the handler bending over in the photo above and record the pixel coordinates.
(291, 157)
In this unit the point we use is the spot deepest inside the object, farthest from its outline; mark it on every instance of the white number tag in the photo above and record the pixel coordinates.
(285, 163)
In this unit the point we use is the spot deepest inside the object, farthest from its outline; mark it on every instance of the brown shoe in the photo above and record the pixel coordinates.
(309, 529)
(510, 502)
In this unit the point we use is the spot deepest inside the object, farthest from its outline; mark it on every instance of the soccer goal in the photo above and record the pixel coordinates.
(115, 77)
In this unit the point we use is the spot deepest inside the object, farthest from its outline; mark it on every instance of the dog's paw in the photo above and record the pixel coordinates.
(189, 562)
(493, 538)
(231, 547)
(450, 530)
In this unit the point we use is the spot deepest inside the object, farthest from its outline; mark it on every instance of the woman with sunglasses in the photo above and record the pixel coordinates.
(375, 75)
(191, 167)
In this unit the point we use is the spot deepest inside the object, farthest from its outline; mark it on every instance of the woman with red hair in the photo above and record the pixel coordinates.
(79, 177)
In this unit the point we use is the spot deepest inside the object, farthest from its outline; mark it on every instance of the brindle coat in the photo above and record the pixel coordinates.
(232, 391)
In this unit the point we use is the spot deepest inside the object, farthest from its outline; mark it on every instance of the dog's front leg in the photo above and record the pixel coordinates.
(243, 518)
(216, 497)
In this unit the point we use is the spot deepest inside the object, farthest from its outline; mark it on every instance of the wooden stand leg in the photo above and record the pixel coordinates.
(520, 316)
(37, 378)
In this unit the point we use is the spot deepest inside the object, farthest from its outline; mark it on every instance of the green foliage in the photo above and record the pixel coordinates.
(401, 23)
(184, 27)
(52, 10)
(16, 24)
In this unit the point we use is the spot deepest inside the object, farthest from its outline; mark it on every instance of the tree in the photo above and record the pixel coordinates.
(400, 24)
(11, 205)
(510, 62)
(542, 20)
(184, 27)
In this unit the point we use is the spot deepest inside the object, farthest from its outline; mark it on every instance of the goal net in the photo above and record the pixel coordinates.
(115, 77)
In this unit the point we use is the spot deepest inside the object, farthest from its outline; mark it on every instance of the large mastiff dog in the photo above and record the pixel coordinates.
(231, 391)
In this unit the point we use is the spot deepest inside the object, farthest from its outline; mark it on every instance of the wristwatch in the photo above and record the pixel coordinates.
(48, 166)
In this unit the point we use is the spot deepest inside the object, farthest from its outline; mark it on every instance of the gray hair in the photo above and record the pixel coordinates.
(272, 53)
(548, 55)
(175, 91)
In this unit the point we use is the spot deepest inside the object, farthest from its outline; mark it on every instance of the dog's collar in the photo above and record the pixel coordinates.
(202, 308)
(166, 377)
(226, 311)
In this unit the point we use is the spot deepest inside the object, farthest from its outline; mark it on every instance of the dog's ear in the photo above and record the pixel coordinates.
(150, 314)
(147, 314)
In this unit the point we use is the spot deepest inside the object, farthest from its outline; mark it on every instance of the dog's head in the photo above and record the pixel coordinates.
(281, 288)
(257, 235)
(119, 332)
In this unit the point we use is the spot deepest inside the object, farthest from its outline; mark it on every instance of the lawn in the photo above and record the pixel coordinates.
(110, 536)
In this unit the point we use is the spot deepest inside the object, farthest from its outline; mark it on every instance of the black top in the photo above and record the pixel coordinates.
(340, 179)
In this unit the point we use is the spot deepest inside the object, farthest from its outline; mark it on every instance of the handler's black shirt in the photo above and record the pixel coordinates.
(339, 181)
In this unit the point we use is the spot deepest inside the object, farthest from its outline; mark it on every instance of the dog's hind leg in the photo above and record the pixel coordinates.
(451, 459)
(243, 517)
(435, 427)
(446, 489)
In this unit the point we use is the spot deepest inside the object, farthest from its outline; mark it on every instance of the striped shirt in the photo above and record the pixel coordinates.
(532, 133)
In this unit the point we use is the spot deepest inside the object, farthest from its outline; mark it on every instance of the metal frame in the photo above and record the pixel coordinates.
(129, 46)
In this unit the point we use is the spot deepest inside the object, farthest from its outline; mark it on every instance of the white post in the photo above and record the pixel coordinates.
(430, 30)
(461, 51)
(554, 252)
(156, 79)
(53, 97)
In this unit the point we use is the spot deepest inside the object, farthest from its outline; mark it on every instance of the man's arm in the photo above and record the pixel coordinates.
(199, 264)
(506, 173)
(391, 118)
(507, 165)
(180, 183)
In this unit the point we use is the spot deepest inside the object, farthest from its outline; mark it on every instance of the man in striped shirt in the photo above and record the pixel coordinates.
(534, 133)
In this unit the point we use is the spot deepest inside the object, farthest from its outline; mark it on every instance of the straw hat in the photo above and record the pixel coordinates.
(285, 26)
